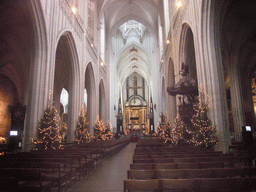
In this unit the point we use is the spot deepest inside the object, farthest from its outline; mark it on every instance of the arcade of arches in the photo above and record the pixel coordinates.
(116, 58)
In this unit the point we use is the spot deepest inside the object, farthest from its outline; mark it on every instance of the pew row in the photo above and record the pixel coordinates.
(230, 161)
(24, 179)
(198, 165)
(198, 185)
(51, 171)
(191, 173)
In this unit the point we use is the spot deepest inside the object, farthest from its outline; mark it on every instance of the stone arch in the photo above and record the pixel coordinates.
(237, 40)
(102, 102)
(91, 97)
(187, 50)
(23, 56)
(187, 63)
(8, 96)
(66, 76)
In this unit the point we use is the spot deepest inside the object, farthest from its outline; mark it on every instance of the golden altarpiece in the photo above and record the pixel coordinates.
(136, 105)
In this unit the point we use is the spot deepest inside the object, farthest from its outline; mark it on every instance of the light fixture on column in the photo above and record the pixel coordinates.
(178, 4)
(167, 41)
(101, 63)
(74, 10)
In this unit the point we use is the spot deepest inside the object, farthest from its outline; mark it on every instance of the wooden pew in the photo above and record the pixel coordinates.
(229, 161)
(199, 185)
(174, 150)
(157, 160)
(150, 143)
(190, 173)
(159, 185)
(145, 185)
(12, 187)
(79, 160)
(50, 171)
(66, 163)
(178, 185)
(227, 184)
(141, 174)
(106, 147)
(27, 179)
(85, 160)
(164, 166)
(141, 166)
(171, 174)
(199, 165)
(180, 155)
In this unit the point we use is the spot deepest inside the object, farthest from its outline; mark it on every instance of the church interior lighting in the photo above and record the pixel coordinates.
(179, 4)
(74, 10)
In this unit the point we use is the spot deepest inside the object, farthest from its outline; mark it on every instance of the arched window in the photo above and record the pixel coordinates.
(64, 99)
(166, 17)
(85, 100)
(102, 39)
(90, 21)
(160, 32)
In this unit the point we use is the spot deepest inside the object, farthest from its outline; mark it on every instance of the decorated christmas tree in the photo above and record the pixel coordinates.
(168, 133)
(203, 133)
(48, 131)
(63, 131)
(178, 131)
(160, 133)
(82, 134)
(99, 130)
(108, 133)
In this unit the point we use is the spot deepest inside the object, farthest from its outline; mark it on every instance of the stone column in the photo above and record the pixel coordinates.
(210, 69)
(236, 100)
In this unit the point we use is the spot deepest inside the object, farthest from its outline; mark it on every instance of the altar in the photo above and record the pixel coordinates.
(135, 118)
(136, 105)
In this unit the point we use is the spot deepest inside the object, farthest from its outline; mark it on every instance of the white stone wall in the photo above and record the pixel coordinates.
(207, 59)
(58, 20)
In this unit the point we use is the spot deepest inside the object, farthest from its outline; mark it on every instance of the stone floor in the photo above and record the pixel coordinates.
(110, 174)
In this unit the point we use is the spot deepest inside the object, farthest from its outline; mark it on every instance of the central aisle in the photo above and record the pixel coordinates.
(110, 174)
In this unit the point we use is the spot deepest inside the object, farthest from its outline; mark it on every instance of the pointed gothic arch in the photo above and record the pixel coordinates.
(8, 96)
(66, 73)
(24, 57)
(237, 44)
(187, 50)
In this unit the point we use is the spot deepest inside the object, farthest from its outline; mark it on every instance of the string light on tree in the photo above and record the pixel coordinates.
(204, 133)
(49, 136)
(168, 133)
(82, 134)
(108, 133)
(101, 132)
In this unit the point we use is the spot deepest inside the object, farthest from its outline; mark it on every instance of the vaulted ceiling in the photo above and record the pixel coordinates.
(118, 11)
(146, 13)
